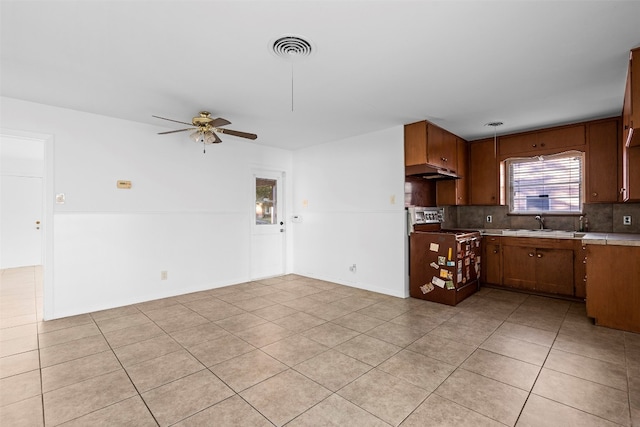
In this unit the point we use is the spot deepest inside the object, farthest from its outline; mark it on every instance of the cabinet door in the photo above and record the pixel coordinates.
(602, 162)
(491, 261)
(519, 267)
(580, 270)
(634, 97)
(516, 144)
(613, 294)
(626, 108)
(441, 146)
(564, 137)
(454, 192)
(632, 174)
(415, 144)
(554, 271)
(483, 173)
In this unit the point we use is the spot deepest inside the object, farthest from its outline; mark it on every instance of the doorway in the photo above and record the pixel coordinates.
(21, 197)
(268, 225)
(26, 209)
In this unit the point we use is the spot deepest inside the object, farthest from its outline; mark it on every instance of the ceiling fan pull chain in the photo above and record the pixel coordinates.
(291, 86)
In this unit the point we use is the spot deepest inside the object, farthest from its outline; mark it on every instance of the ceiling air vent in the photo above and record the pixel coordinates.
(292, 47)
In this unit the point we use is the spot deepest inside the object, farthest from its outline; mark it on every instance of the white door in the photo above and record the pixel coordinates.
(21, 228)
(268, 226)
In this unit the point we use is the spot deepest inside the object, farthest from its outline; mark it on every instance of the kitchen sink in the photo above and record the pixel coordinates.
(546, 232)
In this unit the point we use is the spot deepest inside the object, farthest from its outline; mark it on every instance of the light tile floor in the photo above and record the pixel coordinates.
(302, 352)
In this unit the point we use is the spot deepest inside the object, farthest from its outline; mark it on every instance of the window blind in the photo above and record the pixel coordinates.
(546, 184)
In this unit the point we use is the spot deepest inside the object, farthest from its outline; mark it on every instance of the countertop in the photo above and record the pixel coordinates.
(589, 238)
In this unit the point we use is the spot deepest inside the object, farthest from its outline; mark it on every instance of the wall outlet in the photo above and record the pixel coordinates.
(626, 220)
(489, 218)
(352, 268)
(164, 275)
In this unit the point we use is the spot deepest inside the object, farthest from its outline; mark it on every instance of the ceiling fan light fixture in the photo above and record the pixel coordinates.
(210, 138)
(197, 136)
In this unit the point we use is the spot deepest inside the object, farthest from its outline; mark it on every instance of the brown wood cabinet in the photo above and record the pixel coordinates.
(542, 141)
(454, 192)
(580, 269)
(426, 143)
(613, 286)
(602, 161)
(543, 265)
(483, 173)
(631, 105)
(632, 174)
(491, 266)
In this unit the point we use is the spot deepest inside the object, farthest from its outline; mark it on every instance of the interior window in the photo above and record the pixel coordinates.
(545, 184)
(266, 209)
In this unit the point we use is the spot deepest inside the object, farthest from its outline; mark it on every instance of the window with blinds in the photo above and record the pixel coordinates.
(546, 184)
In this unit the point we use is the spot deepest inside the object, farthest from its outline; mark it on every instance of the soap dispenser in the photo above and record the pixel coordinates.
(581, 224)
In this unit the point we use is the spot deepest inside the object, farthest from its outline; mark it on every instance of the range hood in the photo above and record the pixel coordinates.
(430, 172)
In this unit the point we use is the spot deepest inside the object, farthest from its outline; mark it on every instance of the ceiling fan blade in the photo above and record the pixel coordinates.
(238, 133)
(171, 120)
(216, 139)
(174, 131)
(220, 122)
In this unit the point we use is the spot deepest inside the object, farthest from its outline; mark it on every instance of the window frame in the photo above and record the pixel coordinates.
(508, 188)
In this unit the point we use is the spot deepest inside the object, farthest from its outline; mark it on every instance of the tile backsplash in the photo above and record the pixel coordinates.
(603, 217)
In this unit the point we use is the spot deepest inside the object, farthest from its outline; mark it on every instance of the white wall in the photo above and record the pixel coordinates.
(349, 216)
(188, 213)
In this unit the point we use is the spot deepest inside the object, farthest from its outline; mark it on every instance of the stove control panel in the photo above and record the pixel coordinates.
(425, 215)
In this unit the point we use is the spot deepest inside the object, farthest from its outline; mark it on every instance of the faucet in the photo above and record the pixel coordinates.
(540, 219)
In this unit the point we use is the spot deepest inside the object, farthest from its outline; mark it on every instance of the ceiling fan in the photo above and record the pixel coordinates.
(206, 128)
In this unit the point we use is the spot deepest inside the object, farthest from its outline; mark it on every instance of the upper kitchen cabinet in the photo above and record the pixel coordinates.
(454, 191)
(602, 161)
(483, 173)
(543, 142)
(631, 106)
(426, 143)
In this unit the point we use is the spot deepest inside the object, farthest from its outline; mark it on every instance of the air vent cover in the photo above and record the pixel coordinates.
(292, 47)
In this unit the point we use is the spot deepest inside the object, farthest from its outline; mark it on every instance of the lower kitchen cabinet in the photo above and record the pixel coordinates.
(491, 271)
(542, 265)
(519, 267)
(580, 269)
(613, 286)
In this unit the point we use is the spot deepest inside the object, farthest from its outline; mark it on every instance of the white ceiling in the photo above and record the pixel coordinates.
(376, 64)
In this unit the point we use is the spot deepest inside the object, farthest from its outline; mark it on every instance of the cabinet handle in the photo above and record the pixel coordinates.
(534, 145)
(530, 254)
(539, 255)
(495, 251)
(444, 159)
(594, 194)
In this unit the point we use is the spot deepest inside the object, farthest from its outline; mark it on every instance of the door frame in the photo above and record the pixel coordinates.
(47, 213)
(281, 196)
